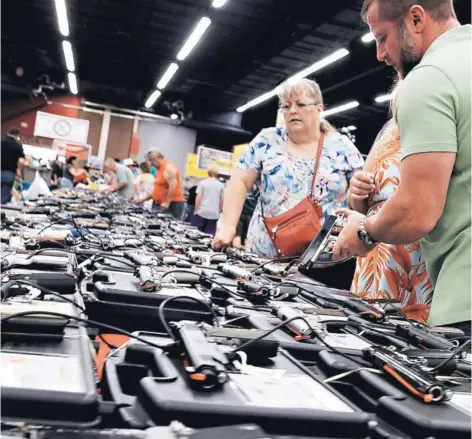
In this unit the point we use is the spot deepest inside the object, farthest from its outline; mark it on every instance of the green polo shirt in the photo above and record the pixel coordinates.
(434, 115)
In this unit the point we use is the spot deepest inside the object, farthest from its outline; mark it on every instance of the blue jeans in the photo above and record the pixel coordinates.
(66, 183)
(7, 179)
(189, 211)
(205, 225)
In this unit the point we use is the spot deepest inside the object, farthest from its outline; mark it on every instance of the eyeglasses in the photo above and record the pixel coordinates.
(298, 106)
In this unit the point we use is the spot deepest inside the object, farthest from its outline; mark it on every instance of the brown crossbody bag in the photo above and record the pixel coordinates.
(292, 231)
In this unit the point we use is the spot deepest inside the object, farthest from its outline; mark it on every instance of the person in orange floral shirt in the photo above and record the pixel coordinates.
(389, 271)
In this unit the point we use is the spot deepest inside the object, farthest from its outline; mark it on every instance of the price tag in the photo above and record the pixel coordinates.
(287, 391)
(462, 402)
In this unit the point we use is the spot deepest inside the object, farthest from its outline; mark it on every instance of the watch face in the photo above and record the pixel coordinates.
(363, 237)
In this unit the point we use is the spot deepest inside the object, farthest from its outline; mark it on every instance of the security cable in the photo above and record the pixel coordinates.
(78, 319)
(290, 258)
(54, 293)
(315, 333)
(170, 299)
(453, 354)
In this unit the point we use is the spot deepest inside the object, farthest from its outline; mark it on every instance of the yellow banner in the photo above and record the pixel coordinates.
(213, 158)
(191, 169)
(223, 165)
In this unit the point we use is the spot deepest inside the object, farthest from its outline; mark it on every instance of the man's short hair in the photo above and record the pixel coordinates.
(395, 10)
(145, 167)
(213, 172)
(154, 153)
(110, 162)
(14, 132)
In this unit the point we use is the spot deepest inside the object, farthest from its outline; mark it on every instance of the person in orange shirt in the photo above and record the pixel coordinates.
(167, 193)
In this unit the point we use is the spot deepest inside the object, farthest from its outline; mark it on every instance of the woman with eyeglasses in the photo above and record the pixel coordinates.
(282, 160)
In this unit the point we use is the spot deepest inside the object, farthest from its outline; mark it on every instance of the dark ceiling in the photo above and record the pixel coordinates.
(122, 48)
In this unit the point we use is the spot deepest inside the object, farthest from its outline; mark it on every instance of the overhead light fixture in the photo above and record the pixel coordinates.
(319, 65)
(218, 3)
(72, 83)
(340, 109)
(167, 76)
(194, 38)
(174, 116)
(341, 53)
(258, 100)
(368, 38)
(153, 97)
(61, 12)
(352, 128)
(68, 55)
(383, 98)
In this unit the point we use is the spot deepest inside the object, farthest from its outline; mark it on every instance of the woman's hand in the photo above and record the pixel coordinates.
(361, 185)
(223, 238)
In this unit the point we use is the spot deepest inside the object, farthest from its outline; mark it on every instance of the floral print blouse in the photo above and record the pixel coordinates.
(286, 179)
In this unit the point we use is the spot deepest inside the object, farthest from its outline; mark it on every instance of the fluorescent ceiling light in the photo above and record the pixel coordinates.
(258, 100)
(319, 65)
(174, 116)
(73, 83)
(167, 76)
(383, 98)
(68, 55)
(302, 74)
(218, 3)
(368, 38)
(153, 97)
(340, 108)
(61, 12)
(352, 128)
(194, 38)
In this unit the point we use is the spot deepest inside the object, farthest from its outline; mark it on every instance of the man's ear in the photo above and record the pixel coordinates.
(320, 108)
(416, 19)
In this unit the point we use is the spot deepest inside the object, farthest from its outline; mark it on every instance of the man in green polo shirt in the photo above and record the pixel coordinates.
(431, 51)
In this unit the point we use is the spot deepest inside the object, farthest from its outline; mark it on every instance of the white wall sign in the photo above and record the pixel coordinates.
(61, 127)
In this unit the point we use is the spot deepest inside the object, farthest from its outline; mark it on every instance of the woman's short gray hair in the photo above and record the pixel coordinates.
(301, 86)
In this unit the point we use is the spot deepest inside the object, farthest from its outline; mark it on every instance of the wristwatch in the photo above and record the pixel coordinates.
(363, 236)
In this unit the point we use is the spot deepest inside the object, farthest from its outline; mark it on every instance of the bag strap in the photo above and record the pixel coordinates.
(315, 171)
(317, 163)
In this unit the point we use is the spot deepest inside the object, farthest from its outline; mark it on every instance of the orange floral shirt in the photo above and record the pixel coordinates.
(393, 271)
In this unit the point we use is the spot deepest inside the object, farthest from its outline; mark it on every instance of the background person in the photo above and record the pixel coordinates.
(167, 193)
(71, 171)
(208, 203)
(13, 160)
(144, 182)
(83, 176)
(57, 172)
(190, 204)
(124, 180)
(132, 165)
(240, 240)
